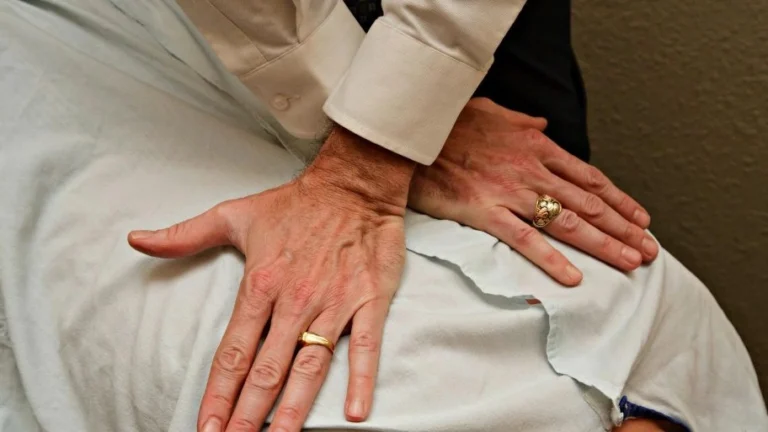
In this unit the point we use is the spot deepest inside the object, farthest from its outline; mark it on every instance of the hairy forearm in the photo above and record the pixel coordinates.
(349, 162)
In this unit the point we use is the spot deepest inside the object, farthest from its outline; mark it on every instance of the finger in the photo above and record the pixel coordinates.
(602, 216)
(183, 239)
(234, 357)
(517, 119)
(501, 223)
(309, 370)
(269, 371)
(591, 179)
(364, 354)
(524, 121)
(571, 229)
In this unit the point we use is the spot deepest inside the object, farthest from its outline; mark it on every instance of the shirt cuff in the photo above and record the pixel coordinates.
(402, 94)
(296, 84)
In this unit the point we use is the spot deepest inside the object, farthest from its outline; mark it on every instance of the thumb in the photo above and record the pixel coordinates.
(183, 239)
(539, 123)
(522, 120)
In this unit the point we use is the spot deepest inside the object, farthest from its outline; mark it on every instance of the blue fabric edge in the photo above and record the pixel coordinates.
(631, 410)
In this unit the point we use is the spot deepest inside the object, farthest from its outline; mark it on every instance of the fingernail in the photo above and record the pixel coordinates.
(642, 218)
(212, 425)
(356, 409)
(573, 273)
(631, 256)
(649, 247)
(140, 234)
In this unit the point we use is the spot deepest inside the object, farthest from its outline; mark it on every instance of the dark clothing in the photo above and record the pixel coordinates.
(534, 71)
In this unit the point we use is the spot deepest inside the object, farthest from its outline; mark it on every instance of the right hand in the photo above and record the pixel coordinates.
(495, 164)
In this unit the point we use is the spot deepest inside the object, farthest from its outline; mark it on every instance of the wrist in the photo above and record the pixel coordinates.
(349, 162)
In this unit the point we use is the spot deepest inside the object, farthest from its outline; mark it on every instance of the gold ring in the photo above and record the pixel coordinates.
(309, 338)
(547, 209)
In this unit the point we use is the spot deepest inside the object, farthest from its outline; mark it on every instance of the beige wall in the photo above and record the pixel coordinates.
(678, 105)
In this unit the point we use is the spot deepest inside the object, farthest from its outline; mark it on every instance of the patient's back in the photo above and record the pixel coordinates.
(104, 338)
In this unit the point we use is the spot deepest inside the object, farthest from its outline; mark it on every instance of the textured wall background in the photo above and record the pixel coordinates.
(678, 105)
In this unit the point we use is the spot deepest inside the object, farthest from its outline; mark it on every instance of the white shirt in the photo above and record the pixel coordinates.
(402, 85)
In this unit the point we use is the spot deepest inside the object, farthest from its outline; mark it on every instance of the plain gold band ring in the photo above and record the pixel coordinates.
(309, 338)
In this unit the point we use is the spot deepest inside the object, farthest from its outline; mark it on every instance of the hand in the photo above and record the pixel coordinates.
(320, 251)
(495, 164)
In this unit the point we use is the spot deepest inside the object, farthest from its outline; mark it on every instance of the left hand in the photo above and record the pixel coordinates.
(492, 168)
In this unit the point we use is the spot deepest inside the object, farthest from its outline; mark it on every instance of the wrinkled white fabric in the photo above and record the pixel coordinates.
(106, 126)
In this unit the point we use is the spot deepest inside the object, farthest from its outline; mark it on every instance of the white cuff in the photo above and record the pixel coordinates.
(296, 84)
(402, 94)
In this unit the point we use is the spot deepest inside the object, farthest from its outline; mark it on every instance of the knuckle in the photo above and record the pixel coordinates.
(518, 166)
(241, 424)
(497, 216)
(593, 206)
(226, 214)
(595, 179)
(364, 342)
(553, 258)
(626, 203)
(223, 399)
(364, 380)
(221, 211)
(304, 293)
(232, 360)
(525, 170)
(266, 375)
(541, 175)
(334, 301)
(227, 210)
(481, 102)
(259, 285)
(175, 231)
(632, 233)
(533, 136)
(290, 413)
(308, 366)
(257, 292)
(569, 221)
(485, 100)
(524, 235)
(606, 243)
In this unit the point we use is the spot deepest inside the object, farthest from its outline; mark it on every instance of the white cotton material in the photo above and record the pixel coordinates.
(109, 124)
